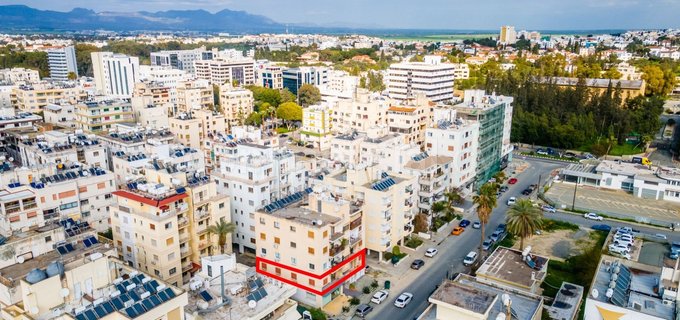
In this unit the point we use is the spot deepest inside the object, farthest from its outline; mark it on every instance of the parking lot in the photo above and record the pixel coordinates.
(614, 203)
(653, 253)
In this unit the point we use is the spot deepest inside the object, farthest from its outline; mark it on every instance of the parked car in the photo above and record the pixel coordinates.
(512, 181)
(457, 231)
(431, 252)
(528, 191)
(548, 208)
(624, 255)
(464, 223)
(496, 235)
(309, 146)
(618, 248)
(569, 155)
(622, 242)
(417, 264)
(363, 310)
(283, 135)
(601, 227)
(511, 201)
(470, 258)
(486, 245)
(502, 227)
(403, 299)
(623, 236)
(379, 296)
(593, 216)
(660, 236)
(503, 189)
(476, 225)
(542, 152)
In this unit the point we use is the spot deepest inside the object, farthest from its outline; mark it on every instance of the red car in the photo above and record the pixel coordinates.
(512, 181)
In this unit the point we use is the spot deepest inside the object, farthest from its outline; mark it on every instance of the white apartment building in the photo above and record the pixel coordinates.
(268, 75)
(219, 71)
(56, 147)
(254, 176)
(431, 77)
(458, 139)
(339, 85)
(151, 115)
(19, 76)
(364, 111)
(410, 118)
(194, 94)
(377, 147)
(508, 35)
(180, 59)
(461, 71)
(163, 76)
(62, 114)
(62, 61)
(115, 74)
(132, 141)
(434, 177)
(236, 103)
(316, 126)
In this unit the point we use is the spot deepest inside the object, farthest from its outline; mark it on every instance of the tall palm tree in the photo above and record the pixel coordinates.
(485, 200)
(523, 220)
(452, 198)
(500, 177)
(221, 228)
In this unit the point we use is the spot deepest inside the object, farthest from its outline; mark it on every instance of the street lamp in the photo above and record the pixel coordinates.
(573, 201)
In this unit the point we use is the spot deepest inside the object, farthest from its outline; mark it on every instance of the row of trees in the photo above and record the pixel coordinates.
(281, 104)
(12, 57)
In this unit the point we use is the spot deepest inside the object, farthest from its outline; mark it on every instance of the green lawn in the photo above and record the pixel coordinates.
(625, 149)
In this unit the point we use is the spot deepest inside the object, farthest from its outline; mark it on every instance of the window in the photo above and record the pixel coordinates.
(170, 241)
(221, 206)
(325, 233)
(293, 244)
(293, 261)
(311, 282)
(310, 234)
(276, 224)
(310, 250)
(154, 243)
(264, 251)
(262, 221)
(152, 226)
(171, 256)
(209, 271)
(48, 238)
(311, 266)
(292, 228)
(168, 225)
(263, 236)
(325, 250)
(277, 240)
(172, 271)
(293, 276)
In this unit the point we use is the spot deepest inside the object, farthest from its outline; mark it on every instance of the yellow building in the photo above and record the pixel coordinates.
(193, 128)
(316, 126)
(192, 95)
(96, 117)
(629, 88)
(236, 104)
(34, 98)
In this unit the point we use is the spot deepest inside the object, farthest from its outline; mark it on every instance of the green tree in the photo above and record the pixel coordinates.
(485, 200)
(289, 112)
(254, 119)
(221, 229)
(375, 81)
(612, 73)
(72, 76)
(287, 96)
(523, 220)
(309, 95)
(659, 81)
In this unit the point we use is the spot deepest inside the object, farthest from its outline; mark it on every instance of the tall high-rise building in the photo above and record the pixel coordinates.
(180, 59)
(508, 35)
(294, 78)
(431, 77)
(62, 61)
(115, 74)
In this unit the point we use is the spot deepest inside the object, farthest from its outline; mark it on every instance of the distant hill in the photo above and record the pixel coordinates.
(20, 17)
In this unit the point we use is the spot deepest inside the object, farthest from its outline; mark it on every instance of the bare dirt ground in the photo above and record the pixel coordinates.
(559, 244)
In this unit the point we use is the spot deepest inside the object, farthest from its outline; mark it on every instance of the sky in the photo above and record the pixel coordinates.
(419, 14)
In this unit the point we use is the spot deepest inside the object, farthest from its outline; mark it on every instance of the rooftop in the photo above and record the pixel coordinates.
(464, 296)
(511, 266)
(157, 195)
(598, 83)
(140, 136)
(428, 162)
(20, 117)
(626, 285)
(567, 301)
(384, 183)
(524, 306)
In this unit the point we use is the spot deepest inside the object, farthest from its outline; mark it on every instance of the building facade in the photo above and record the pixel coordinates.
(115, 74)
(62, 62)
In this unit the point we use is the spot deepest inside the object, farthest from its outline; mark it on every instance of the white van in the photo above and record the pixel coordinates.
(470, 258)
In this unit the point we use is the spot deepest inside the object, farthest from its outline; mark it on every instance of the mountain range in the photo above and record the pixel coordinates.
(21, 17)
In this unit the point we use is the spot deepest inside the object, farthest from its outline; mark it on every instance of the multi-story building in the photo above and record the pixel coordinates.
(62, 62)
(164, 76)
(387, 199)
(269, 76)
(376, 147)
(316, 126)
(62, 114)
(180, 59)
(323, 246)
(115, 74)
(133, 141)
(158, 92)
(19, 76)
(56, 147)
(219, 71)
(494, 115)
(340, 85)
(35, 97)
(195, 94)
(102, 116)
(461, 71)
(364, 111)
(410, 118)
(254, 176)
(431, 77)
(294, 78)
(236, 104)
(508, 35)
(160, 222)
(23, 120)
(191, 129)
(456, 138)
(434, 177)
(150, 114)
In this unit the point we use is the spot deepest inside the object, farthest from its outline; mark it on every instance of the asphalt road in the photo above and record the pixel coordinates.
(452, 251)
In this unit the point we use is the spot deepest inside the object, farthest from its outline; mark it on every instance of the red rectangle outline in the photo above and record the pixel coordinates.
(306, 273)
(321, 293)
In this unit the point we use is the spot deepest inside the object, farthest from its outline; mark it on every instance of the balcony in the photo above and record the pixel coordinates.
(201, 215)
(182, 222)
(183, 237)
(201, 228)
(184, 252)
(338, 249)
(203, 244)
(385, 227)
(354, 224)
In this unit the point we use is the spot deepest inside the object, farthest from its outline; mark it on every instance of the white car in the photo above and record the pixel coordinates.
(403, 300)
(593, 216)
(625, 237)
(624, 255)
(380, 296)
(661, 236)
(431, 252)
(470, 258)
(511, 201)
(618, 248)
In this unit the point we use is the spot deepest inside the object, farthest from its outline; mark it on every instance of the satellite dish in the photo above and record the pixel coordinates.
(595, 293)
(252, 304)
(34, 310)
(506, 299)
(64, 292)
(20, 259)
(11, 159)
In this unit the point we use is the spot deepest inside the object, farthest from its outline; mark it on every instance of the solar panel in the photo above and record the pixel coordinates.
(262, 292)
(259, 283)
(89, 314)
(134, 295)
(384, 175)
(148, 304)
(169, 292)
(206, 296)
(69, 247)
(139, 308)
(100, 311)
(131, 312)
(155, 299)
(164, 296)
(118, 303)
(108, 307)
(87, 242)
(62, 250)
(81, 317)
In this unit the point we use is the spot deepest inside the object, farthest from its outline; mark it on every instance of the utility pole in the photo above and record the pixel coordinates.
(573, 201)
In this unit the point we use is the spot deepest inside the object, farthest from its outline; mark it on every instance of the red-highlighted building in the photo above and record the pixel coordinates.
(317, 247)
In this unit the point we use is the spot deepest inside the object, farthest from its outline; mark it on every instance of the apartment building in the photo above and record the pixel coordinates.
(236, 104)
(222, 145)
(164, 76)
(434, 177)
(629, 88)
(461, 71)
(431, 77)
(87, 283)
(56, 147)
(294, 78)
(62, 62)
(219, 71)
(19, 76)
(195, 94)
(180, 59)
(193, 128)
(316, 126)
(132, 141)
(254, 176)
(62, 114)
(269, 76)
(494, 115)
(34, 98)
(323, 247)
(132, 166)
(377, 147)
(102, 116)
(454, 137)
(160, 222)
(151, 115)
(340, 85)
(410, 118)
(387, 199)
(508, 35)
(364, 111)
(157, 91)
(115, 74)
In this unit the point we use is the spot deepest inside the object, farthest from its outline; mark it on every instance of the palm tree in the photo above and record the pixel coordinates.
(453, 198)
(523, 220)
(486, 202)
(221, 228)
(500, 177)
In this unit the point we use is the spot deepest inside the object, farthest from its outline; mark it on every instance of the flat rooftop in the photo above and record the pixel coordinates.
(508, 265)
(625, 168)
(428, 162)
(465, 297)
(634, 290)
(524, 306)
(567, 301)
(306, 216)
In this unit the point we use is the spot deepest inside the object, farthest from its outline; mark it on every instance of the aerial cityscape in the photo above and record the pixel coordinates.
(267, 160)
